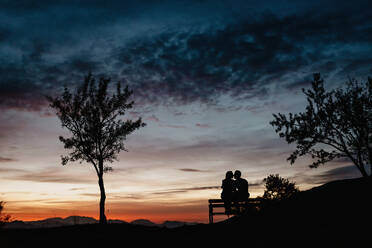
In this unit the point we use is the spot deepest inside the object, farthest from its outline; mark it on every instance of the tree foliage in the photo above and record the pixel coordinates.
(3, 217)
(335, 124)
(278, 188)
(94, 118)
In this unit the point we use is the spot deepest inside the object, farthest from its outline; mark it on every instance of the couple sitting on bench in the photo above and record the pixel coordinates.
(234, 191)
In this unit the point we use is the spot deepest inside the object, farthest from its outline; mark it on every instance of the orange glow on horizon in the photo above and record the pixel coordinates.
(201, 217)
(155, 212)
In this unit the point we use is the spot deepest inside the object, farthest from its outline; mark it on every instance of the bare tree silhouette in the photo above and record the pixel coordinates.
(336, 124)
(93, 118)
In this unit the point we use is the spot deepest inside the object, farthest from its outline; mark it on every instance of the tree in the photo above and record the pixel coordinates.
(336, 124)
(93, 117)
(3, 218)
(278, 188)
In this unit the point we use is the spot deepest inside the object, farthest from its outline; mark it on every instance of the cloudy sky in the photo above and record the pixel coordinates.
(207, 77)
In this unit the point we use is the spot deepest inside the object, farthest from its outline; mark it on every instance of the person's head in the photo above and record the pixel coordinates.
(237, 174)
(229, 175)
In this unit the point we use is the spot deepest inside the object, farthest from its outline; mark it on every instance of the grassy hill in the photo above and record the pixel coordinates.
(334, 214)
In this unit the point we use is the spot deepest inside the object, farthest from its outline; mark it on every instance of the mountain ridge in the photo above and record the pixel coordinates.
(82, 220)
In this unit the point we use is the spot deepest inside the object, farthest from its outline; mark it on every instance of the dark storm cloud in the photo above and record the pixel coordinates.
(177, 52)
(242, 59)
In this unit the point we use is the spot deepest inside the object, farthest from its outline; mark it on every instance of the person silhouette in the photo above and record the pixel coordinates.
(227, 191)
(240, 187)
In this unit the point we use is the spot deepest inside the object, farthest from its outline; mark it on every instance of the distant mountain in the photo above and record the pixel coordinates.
(117, 222)
(18, 224)
(82, 220)
(143, 222)
(51, 222)
(79, 220)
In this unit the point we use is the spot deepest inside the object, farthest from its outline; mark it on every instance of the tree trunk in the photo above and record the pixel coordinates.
(358, 163)
(370, 162)
(364, 173)
(102, 216)
(361, 169)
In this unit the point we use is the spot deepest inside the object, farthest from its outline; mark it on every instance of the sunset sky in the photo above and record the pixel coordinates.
(207, 77)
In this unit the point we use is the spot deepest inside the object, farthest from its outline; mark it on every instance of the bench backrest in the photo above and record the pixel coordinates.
(219, 203)
(249, 201)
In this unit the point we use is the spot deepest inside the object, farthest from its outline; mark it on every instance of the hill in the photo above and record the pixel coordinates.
(338, 201)
(334, 214)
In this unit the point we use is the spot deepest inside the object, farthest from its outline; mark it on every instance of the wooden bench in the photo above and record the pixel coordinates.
(237, 207)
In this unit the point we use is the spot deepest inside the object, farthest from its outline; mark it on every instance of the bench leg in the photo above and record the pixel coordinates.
(210, 215)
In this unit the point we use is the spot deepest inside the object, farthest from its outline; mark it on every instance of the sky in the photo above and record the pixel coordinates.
(207, 77)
